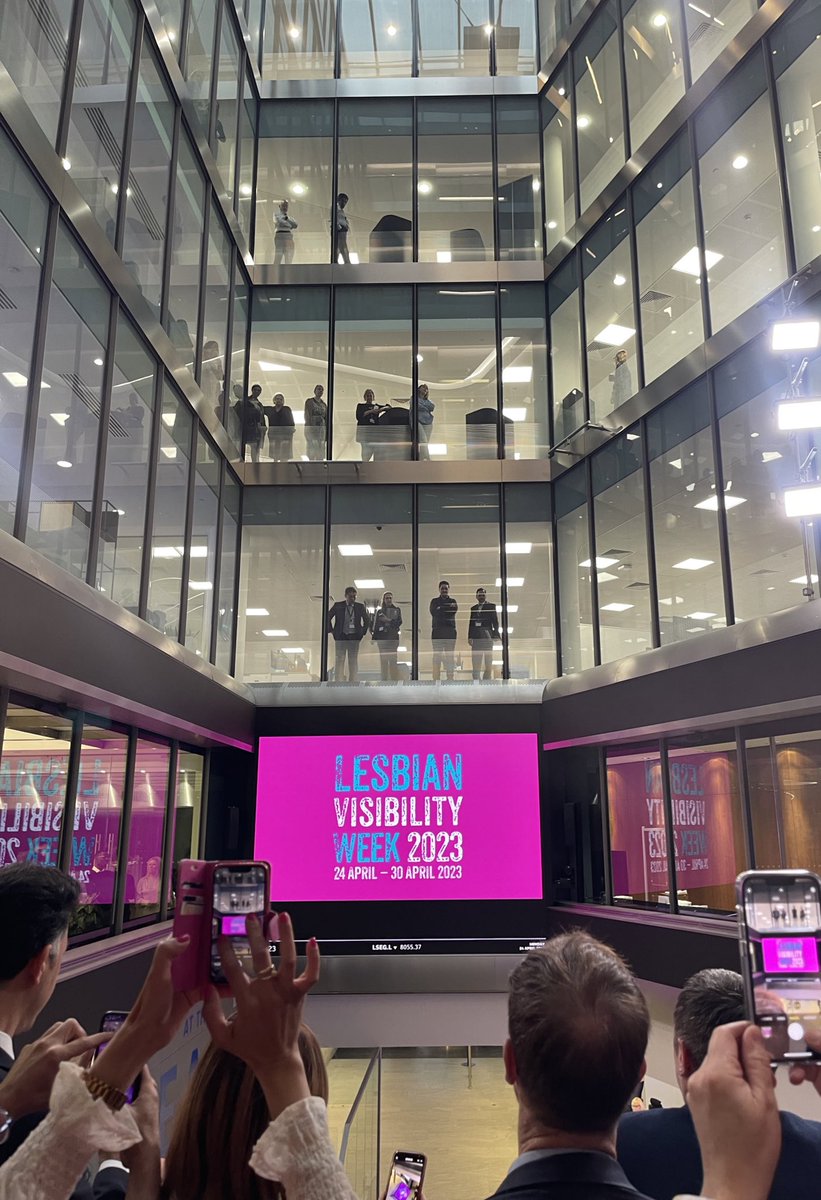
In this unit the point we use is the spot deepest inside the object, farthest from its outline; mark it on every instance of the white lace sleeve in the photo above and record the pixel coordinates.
(296, 1150)
(53, 1157)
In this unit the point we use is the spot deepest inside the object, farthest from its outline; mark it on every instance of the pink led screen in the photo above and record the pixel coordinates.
(422, 817)
(786, 956)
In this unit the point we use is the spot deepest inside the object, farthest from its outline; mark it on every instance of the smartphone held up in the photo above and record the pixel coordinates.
(407, 1176)
(111, 1022)
(779, 930)
(213, 901)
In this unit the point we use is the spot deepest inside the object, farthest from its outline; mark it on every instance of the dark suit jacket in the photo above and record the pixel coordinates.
(658, 1150)
(336, 622)
(483, 626)
(110, 1184)
(578, 1175)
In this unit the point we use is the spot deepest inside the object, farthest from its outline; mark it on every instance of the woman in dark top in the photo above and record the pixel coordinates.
(367, 414)
(387, 622)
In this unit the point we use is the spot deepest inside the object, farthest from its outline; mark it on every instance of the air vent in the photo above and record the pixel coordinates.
(6, 302)
(386, 566)
(763, 571)
(637, 584)
(651, 296)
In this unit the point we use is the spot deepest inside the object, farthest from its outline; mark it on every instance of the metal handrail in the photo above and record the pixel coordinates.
(374, 1064)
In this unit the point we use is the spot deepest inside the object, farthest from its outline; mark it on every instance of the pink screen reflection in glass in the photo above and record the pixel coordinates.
(787, 956)
(404, 817)
(233, 926)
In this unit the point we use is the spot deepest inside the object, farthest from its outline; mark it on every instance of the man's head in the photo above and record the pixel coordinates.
(350, 594)
(444, 587)
(36, 905)
(578, 1027)
(481, 595)
(319, 391)
(708, 999)
(256, 390)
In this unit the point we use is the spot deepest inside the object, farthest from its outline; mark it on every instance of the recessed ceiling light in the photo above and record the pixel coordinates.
(98, 362)
(690, 263)
(616, 607)
(293, 650)
(63, 462)
(517, 374)
(169, 418)
(165, 552)
(582, 121)
(440, 449)
(257, 612)
(297, 189)
(511, 608)
(370, 583)
(444, 256)
(672, 600)
(419, 358)
(692, 564)
(514, 412)
(518, 547)
(15, 379)
(425, 187)
(659, 20)
(355, 550)
(60, 418)
(605, 577)
(711, 503)
(700, 616)
(245, 189)
(293, 33)
(619, 280)
(488, 30)
(391, 31)
(200, 585)
(66, 164)
(740, 162)
(537, 187)
(264, 365)
(768, 456)
(614, 335)
(600, 562)
(512, 581)
(169, 451)
(633, 437)
(195, 551)
(275, 633)
(551, 224)
(802, 579)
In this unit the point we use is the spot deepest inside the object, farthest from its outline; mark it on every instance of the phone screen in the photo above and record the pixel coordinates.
(239, 891)
(407, 1173)
(783, 921)
(110, 1023)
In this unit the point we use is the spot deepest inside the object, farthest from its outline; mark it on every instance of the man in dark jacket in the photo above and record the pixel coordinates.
(578, 1027)
(36, 904)
(658, 1149)
(348, 622)
(483, 630)
(443, 609)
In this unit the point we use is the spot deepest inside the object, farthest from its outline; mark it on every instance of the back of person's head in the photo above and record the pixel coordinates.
(708, 999)
(221, 1117)
(36, 905)
(578, 1031)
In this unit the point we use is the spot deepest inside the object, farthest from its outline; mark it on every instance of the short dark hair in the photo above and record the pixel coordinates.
(579, 1026)
(36, 905)
(444, 583)
(708, 999)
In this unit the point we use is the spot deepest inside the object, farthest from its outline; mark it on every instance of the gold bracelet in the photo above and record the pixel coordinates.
(111, 1096)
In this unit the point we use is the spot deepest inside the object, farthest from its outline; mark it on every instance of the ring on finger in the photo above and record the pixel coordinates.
(267, 973)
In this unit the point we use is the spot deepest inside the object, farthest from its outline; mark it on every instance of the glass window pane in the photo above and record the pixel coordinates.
(740, 195)
(33, 764)
(527, 619)
(709, 32)
(202, 25)
(524, 371)
(455, 39)
(376, 173)
(95, 134)
(146, 829)
(281, 605)
(65, 448)
(554, 21)
(23, 215)
(376, 38)
(557, 156)
(186, 254)
(669, 261)
(458, 543)
(187, 811)
(622, 572)
(377, 560)
(289, 355)
(759, 461)
(575, 572)
(247, 138)
(224, 140)
(298, 39)
(200, 600)
(372, 352)
(215, 316)
(520, 186)
(148, 179)
(457, 364)
(125, 483)
(294, 161)
(797, 62)
(170, 507)
(795, 772)
(565, 351)
(638, 825)
(685, 517)
(95, 847)
(653, 64)
(34, 50)
(170, 13)
(765, 807)
(455, 180)
(607, 264)
(239, 353)
(229, 557)
(514, 37)
(707, 824)
(599, 116)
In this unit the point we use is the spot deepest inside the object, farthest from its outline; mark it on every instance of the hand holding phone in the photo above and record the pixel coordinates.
(407, 1175)
(110, 1023)
(779, 924)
